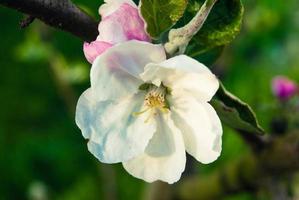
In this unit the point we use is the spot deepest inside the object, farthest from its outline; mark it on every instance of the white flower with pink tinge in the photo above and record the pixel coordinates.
(145, 111)
(120, 22)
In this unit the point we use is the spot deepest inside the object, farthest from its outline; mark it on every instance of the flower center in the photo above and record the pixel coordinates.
(155, 100)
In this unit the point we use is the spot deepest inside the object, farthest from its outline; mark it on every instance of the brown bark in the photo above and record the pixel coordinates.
(61, 14)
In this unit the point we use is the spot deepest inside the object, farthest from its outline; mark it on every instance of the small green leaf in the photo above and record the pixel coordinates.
(235, 113)
(221, 27)
(161, 15)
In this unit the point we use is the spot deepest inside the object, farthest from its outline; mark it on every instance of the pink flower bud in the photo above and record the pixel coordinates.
(283, 88)
(121, 22)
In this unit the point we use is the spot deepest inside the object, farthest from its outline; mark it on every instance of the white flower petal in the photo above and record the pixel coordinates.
(114, 134)
(183, 75)
(200, 126)
(186, 64)
(111, 6)
(164, 158)
(84, 113)
(115, 73)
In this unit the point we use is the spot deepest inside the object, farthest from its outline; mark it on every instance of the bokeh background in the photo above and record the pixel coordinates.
(43, 71)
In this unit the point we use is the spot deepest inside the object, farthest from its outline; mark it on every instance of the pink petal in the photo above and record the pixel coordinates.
(122, 25)
(94, 49)
(111, 6)
(121, 22)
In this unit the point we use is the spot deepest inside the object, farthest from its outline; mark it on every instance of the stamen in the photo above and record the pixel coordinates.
(154, 101)
(135, 114)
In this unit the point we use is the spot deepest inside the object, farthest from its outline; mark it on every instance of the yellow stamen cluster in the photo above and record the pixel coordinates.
(155, 100)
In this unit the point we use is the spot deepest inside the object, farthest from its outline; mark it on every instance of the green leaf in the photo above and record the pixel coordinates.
(207, 57)
(161, 15)
(235, 113)
(221, 27)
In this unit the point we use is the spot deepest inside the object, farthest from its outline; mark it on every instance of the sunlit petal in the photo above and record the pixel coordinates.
(183, 75)
(115, 73)
(200, 126)
(164, 157)
(114, 134)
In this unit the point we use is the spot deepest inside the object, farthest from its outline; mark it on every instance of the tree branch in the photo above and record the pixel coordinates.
(61, 14)
(26, 21)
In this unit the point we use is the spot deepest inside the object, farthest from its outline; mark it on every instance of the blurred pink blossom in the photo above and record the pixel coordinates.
(121, 22)
(283, 88)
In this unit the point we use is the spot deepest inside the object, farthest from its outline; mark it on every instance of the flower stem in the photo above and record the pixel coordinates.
(180, 38)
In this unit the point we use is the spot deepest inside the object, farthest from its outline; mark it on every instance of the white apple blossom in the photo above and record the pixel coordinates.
(146, 111)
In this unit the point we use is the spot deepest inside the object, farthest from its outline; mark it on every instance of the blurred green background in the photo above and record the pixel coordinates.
(43, 71)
